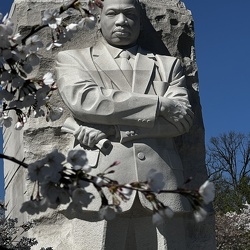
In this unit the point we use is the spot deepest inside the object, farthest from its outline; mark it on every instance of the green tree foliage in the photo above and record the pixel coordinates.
(228, 163)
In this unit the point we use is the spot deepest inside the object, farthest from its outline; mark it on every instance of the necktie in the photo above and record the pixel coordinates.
(126, 66)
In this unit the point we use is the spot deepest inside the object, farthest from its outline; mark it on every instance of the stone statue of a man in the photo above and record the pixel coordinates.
(138, 100)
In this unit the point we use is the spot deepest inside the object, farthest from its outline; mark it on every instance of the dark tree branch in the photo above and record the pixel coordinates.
(13, 159)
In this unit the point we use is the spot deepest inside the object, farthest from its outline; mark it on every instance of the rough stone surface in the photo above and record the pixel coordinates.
(170, 21)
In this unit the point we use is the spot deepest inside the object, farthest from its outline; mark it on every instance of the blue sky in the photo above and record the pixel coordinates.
(222, 51)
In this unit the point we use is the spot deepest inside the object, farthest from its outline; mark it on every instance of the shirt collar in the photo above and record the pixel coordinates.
(114, 51)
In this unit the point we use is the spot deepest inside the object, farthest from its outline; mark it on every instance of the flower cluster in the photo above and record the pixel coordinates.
(18, 92)
(19, 56)
(233, 229)
(59, 181)
(242, 219)
(62, 32)
(197, 198)
(63, 180)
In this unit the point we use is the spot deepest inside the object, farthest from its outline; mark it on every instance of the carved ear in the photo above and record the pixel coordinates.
(99, 22)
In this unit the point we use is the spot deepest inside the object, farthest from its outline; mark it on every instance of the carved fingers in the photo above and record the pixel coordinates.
(89, 136)
(184, 121)
(178, 113)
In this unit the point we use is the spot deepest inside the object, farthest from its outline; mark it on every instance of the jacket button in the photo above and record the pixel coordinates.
(141, 156)
(132, 133)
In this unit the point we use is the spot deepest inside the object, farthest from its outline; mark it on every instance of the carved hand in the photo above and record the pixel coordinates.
(178, 113)
(89, 136)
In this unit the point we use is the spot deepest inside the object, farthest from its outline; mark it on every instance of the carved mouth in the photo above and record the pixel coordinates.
(121, 32)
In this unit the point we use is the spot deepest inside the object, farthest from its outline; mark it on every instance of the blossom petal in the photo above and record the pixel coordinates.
(207, 191)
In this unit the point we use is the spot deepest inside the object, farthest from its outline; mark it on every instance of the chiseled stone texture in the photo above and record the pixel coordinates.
(174, 24)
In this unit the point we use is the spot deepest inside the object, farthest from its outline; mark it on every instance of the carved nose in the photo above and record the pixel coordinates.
(121, 20)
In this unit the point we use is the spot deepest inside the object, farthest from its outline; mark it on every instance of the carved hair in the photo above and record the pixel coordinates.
(99, 3)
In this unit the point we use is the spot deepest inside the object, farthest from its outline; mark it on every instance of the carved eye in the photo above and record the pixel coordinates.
(130, 14)
(110, 13)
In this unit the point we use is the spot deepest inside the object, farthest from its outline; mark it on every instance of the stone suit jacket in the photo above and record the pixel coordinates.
(94, 88)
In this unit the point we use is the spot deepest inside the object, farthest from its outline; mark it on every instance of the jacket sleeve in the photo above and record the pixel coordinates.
(173, 78)
(91, 103)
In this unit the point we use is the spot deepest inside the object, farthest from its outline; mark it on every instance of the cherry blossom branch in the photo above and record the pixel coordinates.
(36, 29)
(13, 159)
(19, 55)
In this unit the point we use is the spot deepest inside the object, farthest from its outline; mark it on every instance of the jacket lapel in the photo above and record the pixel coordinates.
(107, 64)
(144, 66)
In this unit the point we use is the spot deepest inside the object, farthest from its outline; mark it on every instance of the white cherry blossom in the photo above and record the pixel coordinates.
(90, 22)
(33, 43)
(19, 125)
(107, 213)
(54, 114)
(38, 113)
(160, 216)
(51, 18)
(207, 191)
(98, 181)
(86, 168)
(72, 27)
(6, 28)
(200, 214)
(155, 180)
(48, 79)
(8, 23)
(157, 219)
(52, 45)
(126, 191)
(68, 34)
(17, 38)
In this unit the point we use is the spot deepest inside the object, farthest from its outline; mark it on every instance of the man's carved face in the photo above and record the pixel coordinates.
(120, 22)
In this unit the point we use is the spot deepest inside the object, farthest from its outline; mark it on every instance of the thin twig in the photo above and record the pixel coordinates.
(34, 30)
(13, 159)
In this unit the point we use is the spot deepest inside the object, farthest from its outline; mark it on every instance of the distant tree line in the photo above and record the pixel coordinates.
(228, 164)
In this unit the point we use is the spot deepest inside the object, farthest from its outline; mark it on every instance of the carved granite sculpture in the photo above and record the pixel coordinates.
(137, 102)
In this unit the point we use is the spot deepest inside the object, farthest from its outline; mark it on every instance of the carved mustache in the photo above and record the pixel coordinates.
(121, 29)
